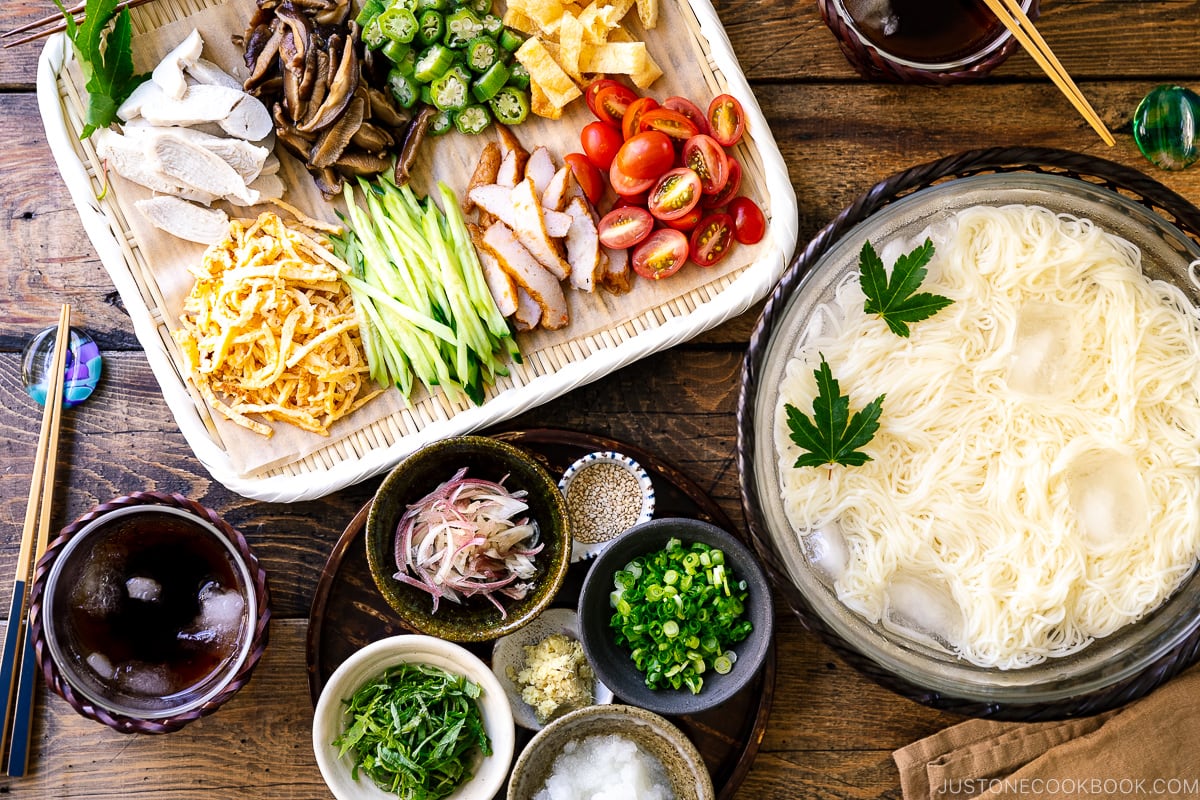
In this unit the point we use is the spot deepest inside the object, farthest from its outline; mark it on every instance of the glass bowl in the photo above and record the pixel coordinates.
(1105, 674)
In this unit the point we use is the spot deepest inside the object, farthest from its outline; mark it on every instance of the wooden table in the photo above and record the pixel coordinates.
(832, 731)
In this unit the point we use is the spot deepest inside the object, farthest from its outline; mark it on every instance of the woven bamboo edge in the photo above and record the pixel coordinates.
(543, 376)
(873, 65)
(122, 723)
(1117, 178)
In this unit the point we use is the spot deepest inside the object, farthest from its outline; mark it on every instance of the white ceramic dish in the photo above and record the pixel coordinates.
(509, 651)
(329, 721)
(582, 549)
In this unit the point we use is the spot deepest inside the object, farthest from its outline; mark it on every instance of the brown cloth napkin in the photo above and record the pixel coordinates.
(1150, 748)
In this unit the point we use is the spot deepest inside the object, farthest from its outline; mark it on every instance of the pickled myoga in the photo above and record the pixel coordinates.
(1035, 479)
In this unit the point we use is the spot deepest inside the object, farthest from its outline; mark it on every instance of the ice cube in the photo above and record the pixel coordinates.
(145, 680)
(876, 14)
(220, 618)
(101, 665)
(147, 590)
(97, 591)
(826, 551)
(1108, 496)
(922, 611)
(1039, 363)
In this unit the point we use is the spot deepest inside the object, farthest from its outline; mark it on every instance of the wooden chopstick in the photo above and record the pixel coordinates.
(1014, 18)
(62, 24)
(17, 664)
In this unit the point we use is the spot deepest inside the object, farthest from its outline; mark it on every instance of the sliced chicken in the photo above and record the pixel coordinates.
(528, 313)
(192, 165)
(617, 278)
(246, 158)
(200, 104)
(512, 168)
(497, 201)
(531, 276)
(529, 224)
(583, 246)
(499, 282)
(130, 162)
(267, 187)
(132, 107)
(186, 220)
(248, 119)
(556, 195)
(168, 74)
(540, 168)
(485, 173)
(204, 71)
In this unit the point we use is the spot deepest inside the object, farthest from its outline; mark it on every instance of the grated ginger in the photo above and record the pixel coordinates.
(555, 678)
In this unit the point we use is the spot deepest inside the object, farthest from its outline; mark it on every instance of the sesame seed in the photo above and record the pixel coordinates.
(603, 500)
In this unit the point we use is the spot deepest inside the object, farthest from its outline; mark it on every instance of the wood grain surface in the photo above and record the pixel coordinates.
(832, 732)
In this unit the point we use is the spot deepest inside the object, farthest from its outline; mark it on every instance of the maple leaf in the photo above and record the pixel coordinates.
(895, 298)
(832, 435)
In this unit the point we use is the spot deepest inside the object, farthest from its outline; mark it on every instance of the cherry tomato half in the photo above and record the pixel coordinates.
(625, 227)
(726, 119)
(601, 143)
(590, 179)
(624, 185)
(672, 123)
(593, 89)
(647, 155)
(689, 110)
(674, 194)
(707, 159)
(624, 200)
(661, 254)
(687, 221)
(633, 115)
(712, 239)
(611, 103)
(749, 224)
(732, 184)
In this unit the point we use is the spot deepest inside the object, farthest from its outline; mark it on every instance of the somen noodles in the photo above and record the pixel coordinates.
(1035, 480)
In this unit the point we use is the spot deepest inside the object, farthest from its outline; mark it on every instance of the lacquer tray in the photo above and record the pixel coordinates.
(146, 266)
(348, 612)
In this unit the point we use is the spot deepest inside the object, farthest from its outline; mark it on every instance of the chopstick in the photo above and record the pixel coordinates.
(1013, 17)
(62, 23)
(17, 665)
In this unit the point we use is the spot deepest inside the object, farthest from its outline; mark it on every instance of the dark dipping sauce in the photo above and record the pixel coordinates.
(154, 608)
(925, 31)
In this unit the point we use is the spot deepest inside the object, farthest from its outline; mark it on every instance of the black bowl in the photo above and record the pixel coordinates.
(476, 619)
(613, 664)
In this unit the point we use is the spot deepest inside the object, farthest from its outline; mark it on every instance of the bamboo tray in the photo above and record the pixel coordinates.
(348, 612)
(145, 265)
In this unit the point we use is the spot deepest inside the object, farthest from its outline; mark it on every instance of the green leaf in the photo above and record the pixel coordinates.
(106, 60)
(832, 435)
(895, 297)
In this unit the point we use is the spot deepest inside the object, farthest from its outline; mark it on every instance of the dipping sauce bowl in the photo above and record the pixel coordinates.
(148, 612)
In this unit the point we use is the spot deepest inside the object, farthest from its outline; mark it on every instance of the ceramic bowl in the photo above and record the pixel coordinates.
(682, 763)
(330, 719)
(612, 662)
(149, 612)
(476, 619)
(592, 533)
(509, 654)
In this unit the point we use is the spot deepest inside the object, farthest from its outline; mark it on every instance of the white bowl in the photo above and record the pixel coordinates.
(330, 719)
(510, 652)
(584, 548)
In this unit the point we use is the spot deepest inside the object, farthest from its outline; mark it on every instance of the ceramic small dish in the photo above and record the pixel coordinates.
(612, 662)
(603, 501)
(476, 619)
(330, 719)
(509, 653)
(684, 767)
